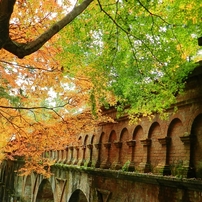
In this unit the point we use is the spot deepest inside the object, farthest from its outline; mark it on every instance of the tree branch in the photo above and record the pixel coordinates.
(6, 9)
(126, 31)
(22, 49)
(32, 108)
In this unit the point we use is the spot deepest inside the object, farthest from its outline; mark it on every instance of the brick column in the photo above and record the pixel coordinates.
(76, 155)
(164, 167)
(65, 155)
(106, 164)
(70, 149)
(131, 144)
(118, 164)
(98, 148)
(146, 164)
(84, 155)
(90, 147)
(188, 170)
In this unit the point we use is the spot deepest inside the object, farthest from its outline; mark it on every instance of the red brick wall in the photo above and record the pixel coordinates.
(187, 122)
(182, 154)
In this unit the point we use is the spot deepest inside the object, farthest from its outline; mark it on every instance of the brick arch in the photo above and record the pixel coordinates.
(177, 116)
(171, 125)
(84, 149)
(45, 192)
(136, 131)
(79, 154)
(92, 139)
(192, 118)
(196, 147)
(101, 138)
(113, 150)
(138, 149)
(152, 129)
(124, 132)
(102, 156)
(124, 152)
(85, 142)
(110, 138)
(176, 153)
(90, 150)
(80, 140)
(76, 151)
(153, 150)
(78, 196)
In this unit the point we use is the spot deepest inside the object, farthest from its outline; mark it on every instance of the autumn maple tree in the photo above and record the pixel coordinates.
(42, 105)
(62, 60)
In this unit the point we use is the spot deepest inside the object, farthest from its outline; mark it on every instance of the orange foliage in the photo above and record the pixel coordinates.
(32, 119)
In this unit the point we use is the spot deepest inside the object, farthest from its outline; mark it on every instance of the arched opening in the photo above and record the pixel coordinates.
(78, 196)
(153, 149)
(124, 150)
(101, 150)
(90, 148)
(92, 139)
(78, 157)
(175, 150)
(84, 150)
(196, 148)
(112, 151)
(138, 149)
(45, 192)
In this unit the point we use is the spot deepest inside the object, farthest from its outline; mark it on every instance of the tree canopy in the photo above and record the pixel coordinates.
(62, 60)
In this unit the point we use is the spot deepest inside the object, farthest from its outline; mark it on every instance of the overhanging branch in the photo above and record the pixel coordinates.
(6, 9)
(22, 49)
(32, 108)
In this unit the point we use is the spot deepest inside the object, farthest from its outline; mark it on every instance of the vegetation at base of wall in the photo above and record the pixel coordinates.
(179, 169)
(85, 163)
(125, 174)
(126, 165)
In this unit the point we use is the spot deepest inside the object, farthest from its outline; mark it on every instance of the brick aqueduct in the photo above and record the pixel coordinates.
(154, 160)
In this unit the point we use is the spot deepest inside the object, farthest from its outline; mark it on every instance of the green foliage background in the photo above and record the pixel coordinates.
(140, 51)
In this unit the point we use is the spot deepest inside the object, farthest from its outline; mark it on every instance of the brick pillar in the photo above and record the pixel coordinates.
(98, 149)
(146, 164)
(59, 156)
(118, 164)
(70, 159)
(131, 144)
(84, 156)
(76, 155)
(106, 164)
(65, 155)
(90, 147)
(55, 155)
(188, 141)
(164, 167)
